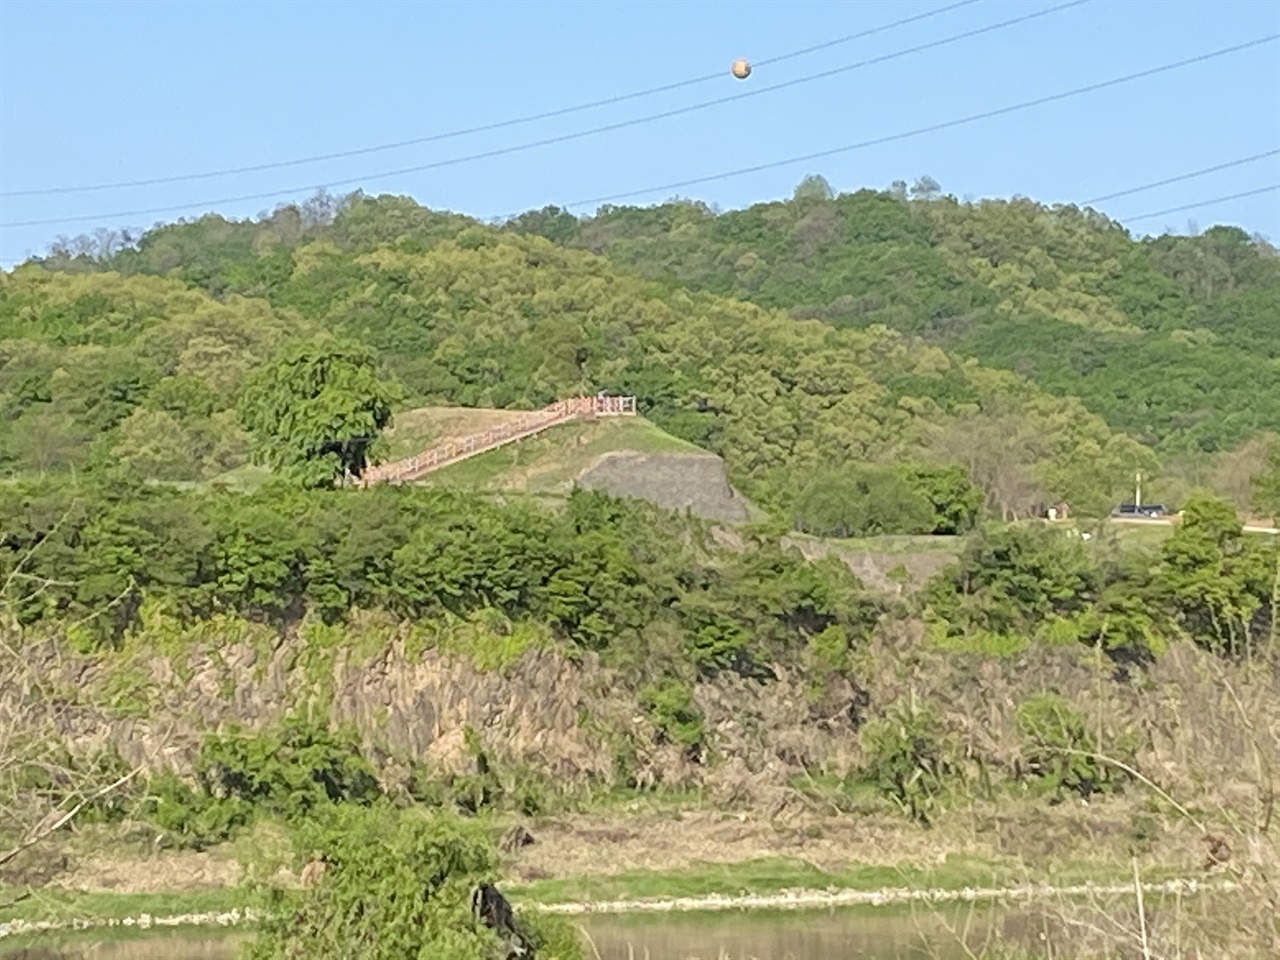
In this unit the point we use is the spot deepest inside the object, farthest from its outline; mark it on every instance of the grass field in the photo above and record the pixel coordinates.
(413, 431)
(551, 461)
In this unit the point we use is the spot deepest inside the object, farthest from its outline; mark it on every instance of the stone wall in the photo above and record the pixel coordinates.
(693, 482)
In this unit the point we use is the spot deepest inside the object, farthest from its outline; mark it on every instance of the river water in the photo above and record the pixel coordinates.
(859, 933)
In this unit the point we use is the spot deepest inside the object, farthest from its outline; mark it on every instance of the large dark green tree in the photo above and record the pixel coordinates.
(316, 410)
(1218, 579)
(861, 501)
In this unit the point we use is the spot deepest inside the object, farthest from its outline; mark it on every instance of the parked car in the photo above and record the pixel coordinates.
(1141, 511)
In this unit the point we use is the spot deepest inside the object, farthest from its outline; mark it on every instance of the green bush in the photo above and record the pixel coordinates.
(287, 771)
(908, 757)
(827, 656)
(670, 705)
(1009, 582)
(1058, 751)
(192, 819)
(398, 885)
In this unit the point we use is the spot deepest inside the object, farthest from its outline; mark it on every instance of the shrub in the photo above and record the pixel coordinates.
(670, 705)
(908, 757)
(398, 885)
(191, 818)
(288, 771)
(1058, 751)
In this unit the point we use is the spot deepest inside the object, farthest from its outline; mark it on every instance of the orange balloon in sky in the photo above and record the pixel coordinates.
(741, 69)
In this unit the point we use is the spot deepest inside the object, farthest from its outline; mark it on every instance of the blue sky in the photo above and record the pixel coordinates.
(103, 91)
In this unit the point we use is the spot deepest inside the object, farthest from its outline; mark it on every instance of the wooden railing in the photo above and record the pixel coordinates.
(524, 425)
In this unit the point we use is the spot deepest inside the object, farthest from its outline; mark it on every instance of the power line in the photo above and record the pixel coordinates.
(1181, 177)
(1205, 203)
(932, 128)
(484, 128)
(517, 148)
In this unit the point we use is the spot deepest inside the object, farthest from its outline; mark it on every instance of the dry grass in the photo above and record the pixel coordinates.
(1206, 775)
(413, 431)
(159, 873)
(571, 847)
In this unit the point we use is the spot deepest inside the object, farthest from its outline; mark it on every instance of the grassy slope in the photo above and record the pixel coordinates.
(413, 431)
(546, 463)
(551, 461)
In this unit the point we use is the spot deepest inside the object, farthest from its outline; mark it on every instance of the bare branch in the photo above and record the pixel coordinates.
(25, 895)
(1137, 775)
(41, 833)
(26, 557)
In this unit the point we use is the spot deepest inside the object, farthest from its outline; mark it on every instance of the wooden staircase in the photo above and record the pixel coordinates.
(525, 425)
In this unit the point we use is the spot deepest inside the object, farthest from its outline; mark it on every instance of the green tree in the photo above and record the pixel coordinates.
(813, 187)
(156, 445)
(1265, 486)
(1013, 583)
(862, 501)
(925, 188)
(1217, 578)
(957, 501)
(317, 410)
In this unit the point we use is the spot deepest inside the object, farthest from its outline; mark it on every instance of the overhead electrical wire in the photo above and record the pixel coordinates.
(931, 128)
(1204, 171)
(1205, 203)
(1185, 176)
(946, 125)
(484, 128)
(563, 138)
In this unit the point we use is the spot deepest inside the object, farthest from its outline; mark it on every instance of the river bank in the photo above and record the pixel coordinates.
(609, 869)
(790, 899)
(689, 854)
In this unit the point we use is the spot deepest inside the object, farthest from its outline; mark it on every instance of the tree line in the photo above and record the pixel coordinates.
(600, 574)
(1169, 339)
(619, 577)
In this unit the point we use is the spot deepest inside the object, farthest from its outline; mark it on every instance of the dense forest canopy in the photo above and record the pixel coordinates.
(1173, 340)
(795, 335)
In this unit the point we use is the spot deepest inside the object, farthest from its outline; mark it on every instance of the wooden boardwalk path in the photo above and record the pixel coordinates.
(524, 425)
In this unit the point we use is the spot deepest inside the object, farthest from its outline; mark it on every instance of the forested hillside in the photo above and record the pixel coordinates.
(1175, 340)
(202, 666)
(107, 364)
